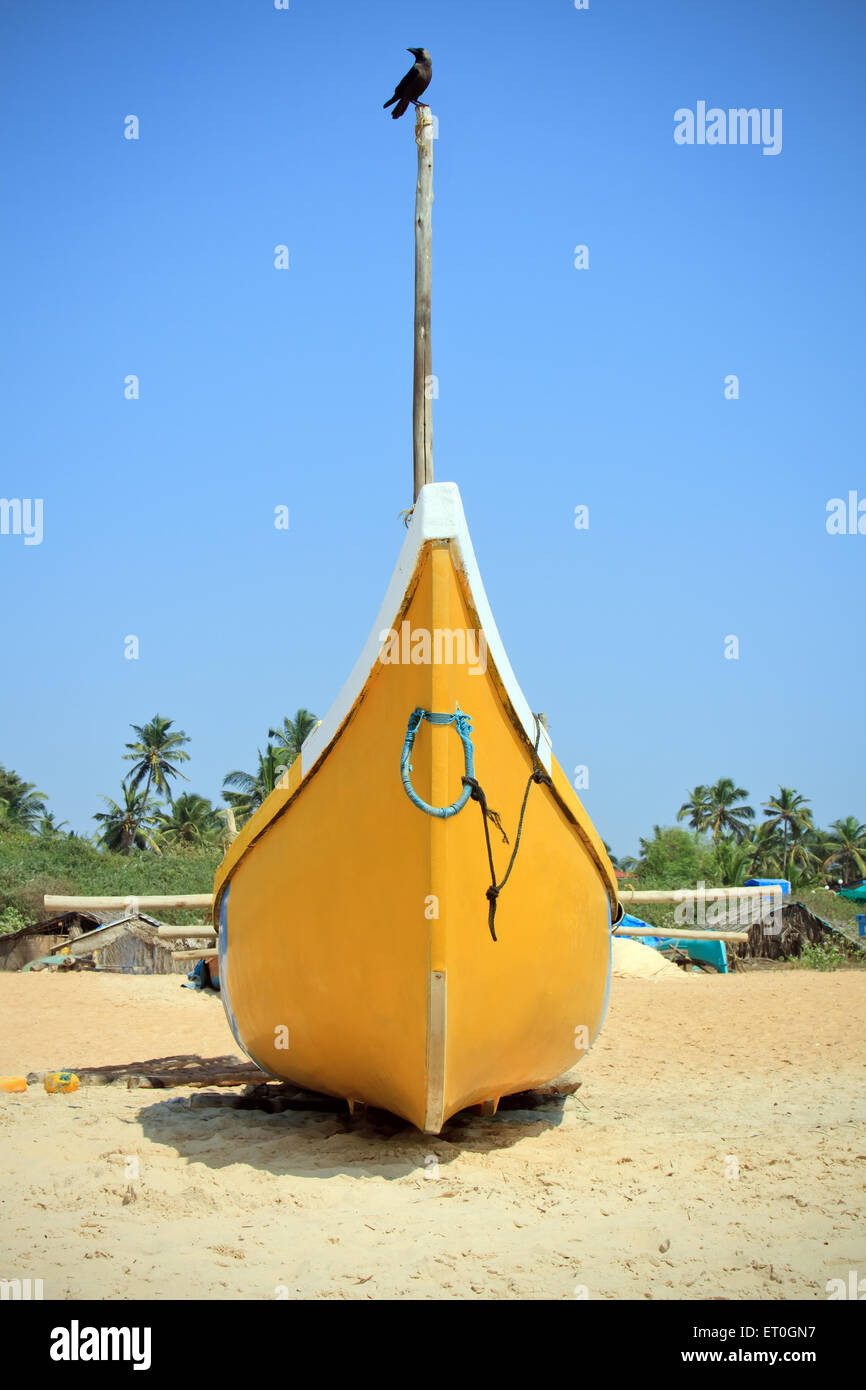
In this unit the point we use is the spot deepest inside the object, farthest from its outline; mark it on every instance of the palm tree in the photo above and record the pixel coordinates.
(697, 808)
(49, 828)
(765, 850)
(290, 738)
(804, 854)
(126, 825)
(21, 805)
(154, 754)
(845, 848)
(732, 861)
(245, 791)
(800, 878)
(190, 820)
(724, 815)
(789, 811)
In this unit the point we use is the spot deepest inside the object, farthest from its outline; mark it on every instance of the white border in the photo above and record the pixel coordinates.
(438, 516)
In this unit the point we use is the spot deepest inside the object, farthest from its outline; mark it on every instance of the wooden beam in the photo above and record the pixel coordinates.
(674, 935)
(131, 903)
(206, 933)
(168, 1071)
(681, 895)
(201, 954)
(422, 397)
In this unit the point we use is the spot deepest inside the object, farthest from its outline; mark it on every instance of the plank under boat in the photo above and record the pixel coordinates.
(355, 954)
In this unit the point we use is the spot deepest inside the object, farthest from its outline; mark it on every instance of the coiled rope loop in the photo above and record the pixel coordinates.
(464, 728)
(472, 788)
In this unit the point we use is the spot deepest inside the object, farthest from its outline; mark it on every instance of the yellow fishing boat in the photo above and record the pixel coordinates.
(365, 949)
(419, 918)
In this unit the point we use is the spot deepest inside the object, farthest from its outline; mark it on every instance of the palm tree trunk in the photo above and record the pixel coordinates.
(137, 826)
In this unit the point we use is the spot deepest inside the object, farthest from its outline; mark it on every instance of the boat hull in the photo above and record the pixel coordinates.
(355, 954)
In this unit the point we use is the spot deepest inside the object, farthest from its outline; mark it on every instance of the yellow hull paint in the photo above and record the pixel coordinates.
(355, 953)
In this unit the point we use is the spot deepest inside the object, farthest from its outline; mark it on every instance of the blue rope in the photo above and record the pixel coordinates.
(464, 729)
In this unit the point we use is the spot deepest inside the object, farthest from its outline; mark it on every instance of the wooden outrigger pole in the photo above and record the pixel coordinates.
(422, 400)
(63, 902)
(674, 934)
(66, 903)
(680, 895)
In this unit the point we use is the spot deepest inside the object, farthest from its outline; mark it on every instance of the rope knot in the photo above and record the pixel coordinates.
(492, 895)
(475, 792)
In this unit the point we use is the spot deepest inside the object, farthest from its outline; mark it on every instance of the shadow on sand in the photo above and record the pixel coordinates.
(281, 1129)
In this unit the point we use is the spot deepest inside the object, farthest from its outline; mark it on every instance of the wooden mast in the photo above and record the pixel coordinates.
(422, 399)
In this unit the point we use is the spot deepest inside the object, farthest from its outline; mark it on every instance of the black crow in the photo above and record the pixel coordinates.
(415, 82)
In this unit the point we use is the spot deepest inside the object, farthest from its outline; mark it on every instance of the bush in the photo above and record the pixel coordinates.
(674, 858)
(11, 920)
(821, 955)
(31, 865)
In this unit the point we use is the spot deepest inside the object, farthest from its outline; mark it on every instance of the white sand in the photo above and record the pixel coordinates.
(762, 1071)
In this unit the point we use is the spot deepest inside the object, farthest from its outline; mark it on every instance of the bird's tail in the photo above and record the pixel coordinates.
(386, 104)
(401, 107)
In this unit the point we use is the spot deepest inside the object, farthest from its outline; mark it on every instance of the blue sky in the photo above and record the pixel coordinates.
(558, 387)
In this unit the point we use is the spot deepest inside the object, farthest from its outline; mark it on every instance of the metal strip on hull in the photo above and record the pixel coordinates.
(437, 1032)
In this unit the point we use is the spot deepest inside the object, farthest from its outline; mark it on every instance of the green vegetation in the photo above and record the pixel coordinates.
(31, 865)
(190, 820)
(846, 842)
(716, 809)
(724, 846)
(245, 791)
(147, 845)
(21, 805)
(290, 738)
(126, 827)
(11, 920)
(839, 912)
(149, 841)
(152, 753)
(821, 955)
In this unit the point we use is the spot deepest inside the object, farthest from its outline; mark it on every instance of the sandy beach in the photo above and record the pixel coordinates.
(714, 1150)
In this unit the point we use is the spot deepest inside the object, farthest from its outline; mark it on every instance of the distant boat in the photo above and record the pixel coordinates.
(360, 953)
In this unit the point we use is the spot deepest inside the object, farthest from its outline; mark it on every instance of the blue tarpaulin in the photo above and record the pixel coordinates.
(783, 883)
(713, 952)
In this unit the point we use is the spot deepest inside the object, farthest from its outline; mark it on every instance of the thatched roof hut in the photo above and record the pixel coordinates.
(783, 935)
(97, 940)
(18, 948)
(129, 945)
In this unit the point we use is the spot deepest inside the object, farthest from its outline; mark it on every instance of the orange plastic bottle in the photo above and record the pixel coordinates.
(13, 1084)
(61, 1082)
